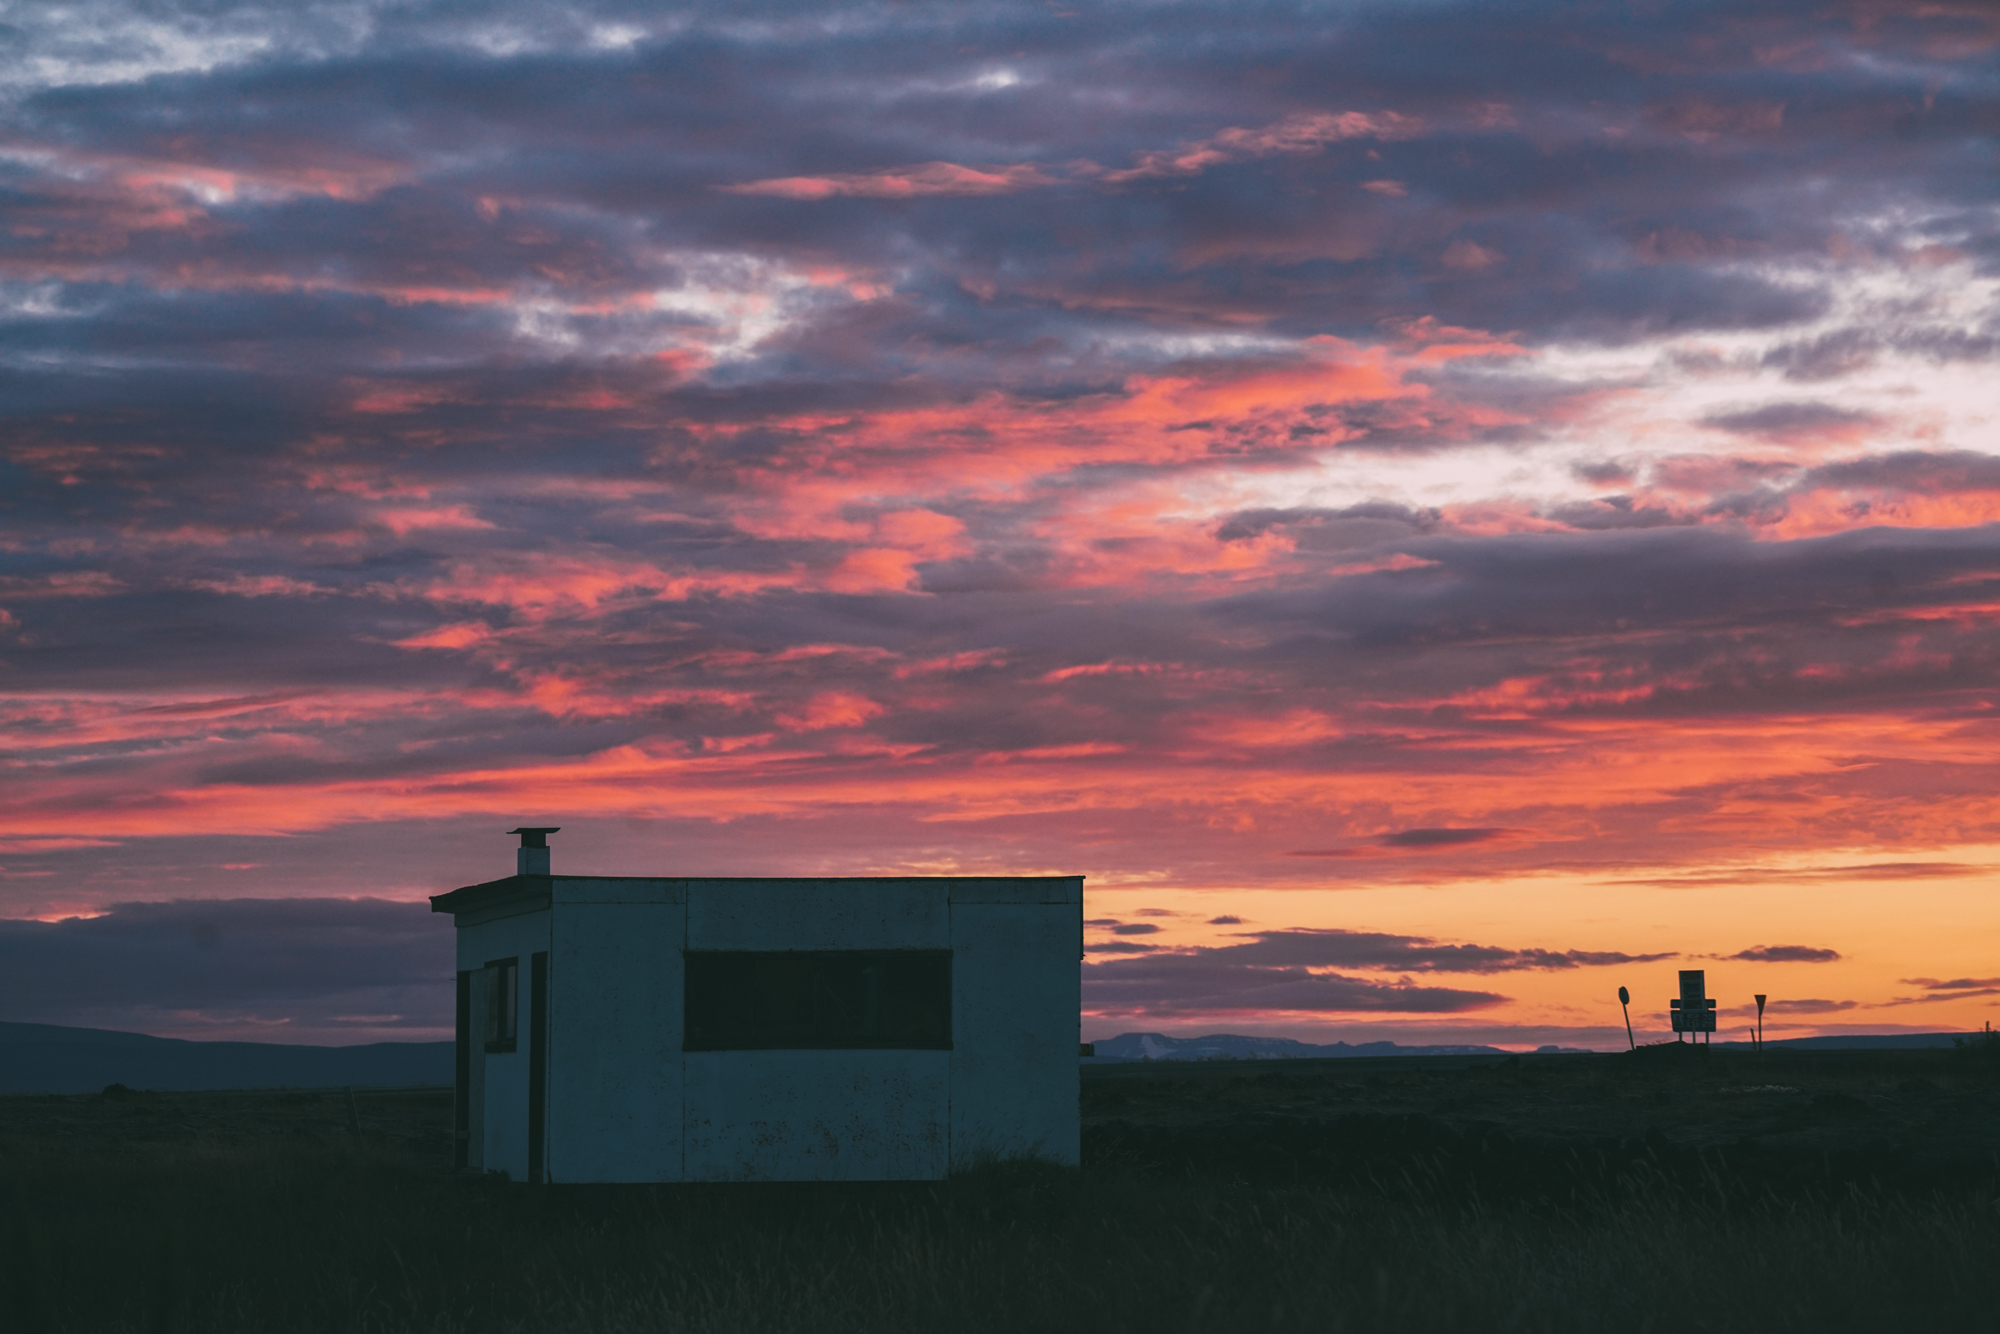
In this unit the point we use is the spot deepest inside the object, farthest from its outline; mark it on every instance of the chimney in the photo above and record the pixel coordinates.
(533, 857)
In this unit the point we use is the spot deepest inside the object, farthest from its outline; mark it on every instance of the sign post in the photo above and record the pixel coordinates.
(1693, 1011)
(1625, 1004)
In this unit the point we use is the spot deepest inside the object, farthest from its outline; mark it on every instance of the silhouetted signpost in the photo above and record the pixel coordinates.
(1625, 1004)
(1692, 1011)
(1760, 1024)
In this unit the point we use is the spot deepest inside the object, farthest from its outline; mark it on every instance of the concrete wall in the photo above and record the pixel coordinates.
(501, 1078)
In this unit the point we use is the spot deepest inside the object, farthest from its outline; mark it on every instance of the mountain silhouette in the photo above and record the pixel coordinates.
(51, 1058)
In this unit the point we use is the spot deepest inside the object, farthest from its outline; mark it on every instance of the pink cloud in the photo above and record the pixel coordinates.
(1301, 132)
(928, 178)
(1470, 255)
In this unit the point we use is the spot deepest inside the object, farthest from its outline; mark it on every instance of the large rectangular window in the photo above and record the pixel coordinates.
(759, 1000)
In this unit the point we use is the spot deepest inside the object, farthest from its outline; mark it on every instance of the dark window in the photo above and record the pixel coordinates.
(502, 980)
(742, 1000)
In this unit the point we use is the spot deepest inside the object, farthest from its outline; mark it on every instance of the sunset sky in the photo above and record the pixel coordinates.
(1438, 510)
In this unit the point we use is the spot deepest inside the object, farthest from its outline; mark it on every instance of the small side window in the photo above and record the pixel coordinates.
(502, 981)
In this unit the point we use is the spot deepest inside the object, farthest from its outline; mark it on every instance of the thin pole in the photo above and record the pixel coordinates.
(1625, 1004)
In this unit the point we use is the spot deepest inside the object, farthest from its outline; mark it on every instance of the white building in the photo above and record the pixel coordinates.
(635, 1028)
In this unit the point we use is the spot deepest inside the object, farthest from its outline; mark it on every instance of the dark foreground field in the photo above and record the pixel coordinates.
(1818, 1192)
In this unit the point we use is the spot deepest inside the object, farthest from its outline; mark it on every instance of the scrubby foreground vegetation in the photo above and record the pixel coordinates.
(246, 1229)
(301, 1240)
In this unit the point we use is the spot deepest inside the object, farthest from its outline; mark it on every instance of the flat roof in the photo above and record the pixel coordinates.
(489, 892)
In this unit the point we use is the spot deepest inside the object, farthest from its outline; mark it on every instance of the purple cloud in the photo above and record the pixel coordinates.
(287, 970)
(1783, 1005)
(1170, 984)
(1786, 954)
(1440, 838)
(1370, 949)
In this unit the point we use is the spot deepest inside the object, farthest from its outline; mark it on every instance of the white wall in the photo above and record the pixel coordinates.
(503, 1146)
(625, 1103)
(818, 915)
(1015, 1004)
(817, 1115)
(615, 990)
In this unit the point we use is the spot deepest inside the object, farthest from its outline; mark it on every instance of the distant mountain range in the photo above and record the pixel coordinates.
(1235, 1047)
(49, 1058)
(1858, 1041)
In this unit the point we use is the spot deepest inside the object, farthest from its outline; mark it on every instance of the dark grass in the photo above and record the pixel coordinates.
(1385, 1197)
(311, 1237)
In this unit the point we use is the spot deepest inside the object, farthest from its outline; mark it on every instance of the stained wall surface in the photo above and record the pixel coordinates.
(818, 1115)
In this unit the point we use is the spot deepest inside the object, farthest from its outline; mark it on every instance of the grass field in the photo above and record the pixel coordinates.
(1216, 1198)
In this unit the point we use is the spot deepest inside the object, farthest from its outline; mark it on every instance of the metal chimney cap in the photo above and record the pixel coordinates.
(535, 836)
